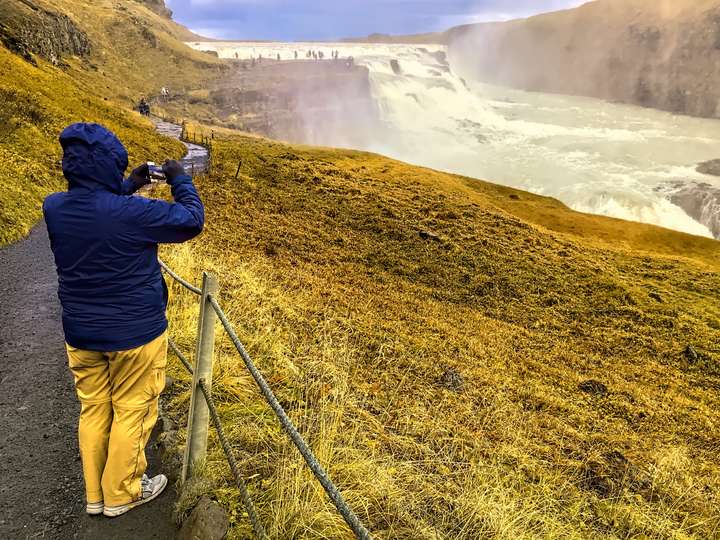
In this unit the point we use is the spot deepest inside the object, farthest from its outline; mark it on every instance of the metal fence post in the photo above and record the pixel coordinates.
(199, 416)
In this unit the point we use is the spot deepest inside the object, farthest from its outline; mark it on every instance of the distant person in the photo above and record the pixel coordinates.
(296, 55)
(144, 107)
(321, 55)
(236, 56)
(278, 57)
(164, 93)
(113, 298)
(260, 59)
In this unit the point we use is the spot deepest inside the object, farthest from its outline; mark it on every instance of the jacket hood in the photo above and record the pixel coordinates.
(93, 158)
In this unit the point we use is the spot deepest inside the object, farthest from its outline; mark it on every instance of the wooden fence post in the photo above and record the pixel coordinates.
(199, 416)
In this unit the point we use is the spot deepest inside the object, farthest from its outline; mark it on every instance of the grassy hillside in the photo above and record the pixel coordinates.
(70, 60)
(468, 361)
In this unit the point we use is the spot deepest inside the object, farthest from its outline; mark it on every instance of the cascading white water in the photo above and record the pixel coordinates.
(595, 156)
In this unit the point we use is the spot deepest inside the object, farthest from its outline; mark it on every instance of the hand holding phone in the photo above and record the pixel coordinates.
(156, 172)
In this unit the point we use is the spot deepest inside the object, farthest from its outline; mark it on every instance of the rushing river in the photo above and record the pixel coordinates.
(598, 157)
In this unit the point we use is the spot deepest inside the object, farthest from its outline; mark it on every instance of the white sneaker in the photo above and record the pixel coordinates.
(151, 488)
(94, 509)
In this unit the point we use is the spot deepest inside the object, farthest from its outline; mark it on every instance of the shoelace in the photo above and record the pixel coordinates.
(146, 484)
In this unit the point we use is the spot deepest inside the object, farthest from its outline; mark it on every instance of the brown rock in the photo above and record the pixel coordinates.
(208, 521)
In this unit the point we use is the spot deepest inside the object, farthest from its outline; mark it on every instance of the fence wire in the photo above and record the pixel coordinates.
(332, 491)
(335, 496)
(180, 355)
(247, 501)
(181, 281)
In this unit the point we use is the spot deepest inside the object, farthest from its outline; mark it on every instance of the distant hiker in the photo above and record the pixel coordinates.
(236, 55)
(278, 57)
(113, 299)
(296, 55)
(143, 107)
(260, 59)
(321, 55)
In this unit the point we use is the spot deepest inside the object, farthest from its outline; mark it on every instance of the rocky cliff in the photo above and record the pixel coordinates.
(29, 29)
(158, 6)
(656, 53)
(309, 102)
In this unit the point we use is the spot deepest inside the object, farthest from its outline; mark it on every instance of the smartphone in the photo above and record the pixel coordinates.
(156, 172)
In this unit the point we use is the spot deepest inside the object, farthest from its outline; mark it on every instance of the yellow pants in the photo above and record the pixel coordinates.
(118, 394)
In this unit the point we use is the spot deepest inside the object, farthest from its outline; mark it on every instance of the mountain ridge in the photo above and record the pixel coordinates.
(660, 54)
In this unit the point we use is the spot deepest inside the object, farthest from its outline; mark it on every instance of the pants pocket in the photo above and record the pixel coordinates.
(156, 382)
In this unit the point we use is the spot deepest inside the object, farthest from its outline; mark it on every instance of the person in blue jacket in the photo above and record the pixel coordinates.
(113, 296)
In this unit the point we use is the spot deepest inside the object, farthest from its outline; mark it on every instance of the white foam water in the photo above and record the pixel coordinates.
(595, 156)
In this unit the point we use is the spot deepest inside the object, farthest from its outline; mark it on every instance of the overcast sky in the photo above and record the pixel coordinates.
(296, 20)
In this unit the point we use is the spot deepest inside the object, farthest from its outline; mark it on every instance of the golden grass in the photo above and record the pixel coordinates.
(363, 325)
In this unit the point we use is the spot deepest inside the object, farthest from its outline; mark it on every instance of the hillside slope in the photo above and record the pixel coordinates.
(72, 60)
(468, 360)
(656, 53)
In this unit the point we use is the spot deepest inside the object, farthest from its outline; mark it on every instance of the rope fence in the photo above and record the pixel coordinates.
(244, 493)
(209, 308)
(181, 281)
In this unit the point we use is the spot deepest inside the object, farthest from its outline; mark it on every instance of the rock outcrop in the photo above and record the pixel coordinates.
(28, 29)
(158, 6)
(700, 201)
(208, 521)
(326, 103)
(663, 54)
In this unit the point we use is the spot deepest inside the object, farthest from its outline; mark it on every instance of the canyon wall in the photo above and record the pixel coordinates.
(325, 103)
(663, 54)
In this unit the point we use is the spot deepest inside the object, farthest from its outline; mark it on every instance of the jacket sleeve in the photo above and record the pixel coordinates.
(161, 222)
(128, 187)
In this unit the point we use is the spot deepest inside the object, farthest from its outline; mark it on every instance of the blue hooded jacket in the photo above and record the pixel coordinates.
(105, 243)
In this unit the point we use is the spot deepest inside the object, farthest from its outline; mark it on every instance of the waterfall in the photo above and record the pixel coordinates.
(595, 156)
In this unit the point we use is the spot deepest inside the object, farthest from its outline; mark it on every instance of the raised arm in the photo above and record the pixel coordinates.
(138, 178)
(161, 222)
